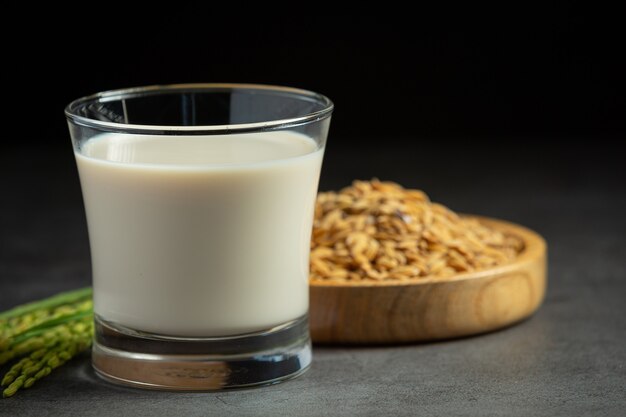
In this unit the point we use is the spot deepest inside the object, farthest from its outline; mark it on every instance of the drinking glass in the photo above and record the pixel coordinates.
(199, 201)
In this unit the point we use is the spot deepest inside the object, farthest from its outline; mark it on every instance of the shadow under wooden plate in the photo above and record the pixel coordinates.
(431, 309)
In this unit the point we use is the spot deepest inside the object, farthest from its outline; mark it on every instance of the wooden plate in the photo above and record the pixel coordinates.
(430, 309)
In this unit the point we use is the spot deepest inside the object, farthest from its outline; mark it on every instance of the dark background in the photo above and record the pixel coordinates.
(495, 88)
(492, 72)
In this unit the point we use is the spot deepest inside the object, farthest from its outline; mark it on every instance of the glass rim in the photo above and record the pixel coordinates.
(123, 93)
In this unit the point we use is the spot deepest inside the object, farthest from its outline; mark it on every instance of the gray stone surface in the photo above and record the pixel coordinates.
(566, 360)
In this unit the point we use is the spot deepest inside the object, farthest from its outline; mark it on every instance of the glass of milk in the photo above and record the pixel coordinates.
(199, 201)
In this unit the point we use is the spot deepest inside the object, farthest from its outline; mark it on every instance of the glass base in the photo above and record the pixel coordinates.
(142, 360)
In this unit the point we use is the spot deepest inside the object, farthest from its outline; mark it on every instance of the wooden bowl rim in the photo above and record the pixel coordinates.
(534, 247)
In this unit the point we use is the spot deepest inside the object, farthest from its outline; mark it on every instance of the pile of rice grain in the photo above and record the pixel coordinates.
(378, 231)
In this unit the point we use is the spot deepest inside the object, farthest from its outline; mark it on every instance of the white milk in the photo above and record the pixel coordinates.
(200, 236)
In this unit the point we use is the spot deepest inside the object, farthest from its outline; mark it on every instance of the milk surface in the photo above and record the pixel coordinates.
(200, 235)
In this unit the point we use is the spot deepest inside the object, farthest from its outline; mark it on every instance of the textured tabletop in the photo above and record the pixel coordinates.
(566, 360)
